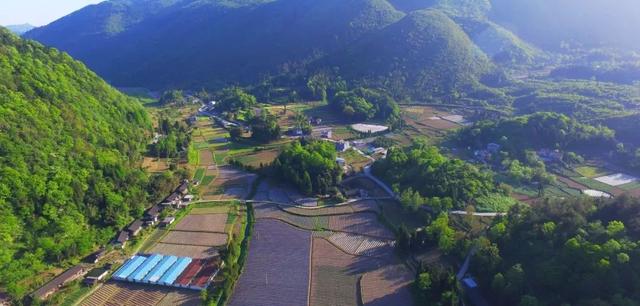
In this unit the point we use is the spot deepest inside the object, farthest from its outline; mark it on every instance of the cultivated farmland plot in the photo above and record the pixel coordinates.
(272, 211)
(368, 128)
(335, 275)
(116, 293)
(195, 238)
(616, 179)
(389, 285)
(277, 269)
(184, 250)
(361, 245)
(203, 223)
(360, 223)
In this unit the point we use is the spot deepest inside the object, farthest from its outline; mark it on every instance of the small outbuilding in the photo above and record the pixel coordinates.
(95, 275)
(167, 221)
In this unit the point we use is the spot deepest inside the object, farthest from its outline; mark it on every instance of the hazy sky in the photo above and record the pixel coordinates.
(38, 12)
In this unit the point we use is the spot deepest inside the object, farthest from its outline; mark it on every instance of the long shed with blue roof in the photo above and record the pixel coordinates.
(129, 267)
(144, 268)
(154, 275)
(178, 267)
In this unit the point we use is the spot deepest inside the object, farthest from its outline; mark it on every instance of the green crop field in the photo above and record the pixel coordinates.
(591, 171)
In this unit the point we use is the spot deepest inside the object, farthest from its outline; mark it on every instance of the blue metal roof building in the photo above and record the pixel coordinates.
(128, 267)
(144, 268)
(154, 275)
(175, 271)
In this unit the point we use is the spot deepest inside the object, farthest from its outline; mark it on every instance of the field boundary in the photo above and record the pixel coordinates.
(322, 229)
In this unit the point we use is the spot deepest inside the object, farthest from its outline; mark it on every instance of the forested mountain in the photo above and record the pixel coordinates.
(212, 43)
(69, 146)
(425, 50)
(20, 29)
(552, 24)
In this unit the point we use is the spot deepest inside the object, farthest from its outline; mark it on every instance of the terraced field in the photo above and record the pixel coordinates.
(360, 223)
(277, 269)
(129, 294)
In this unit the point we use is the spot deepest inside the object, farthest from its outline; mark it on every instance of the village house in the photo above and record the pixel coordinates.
(96, 256)
(326, 134)
(122, 239)
(61, 280)
(315, 121)
(135, 228)
(152, 214)
(342, 146)
(183, 189)
(173, 199)
(550, 156)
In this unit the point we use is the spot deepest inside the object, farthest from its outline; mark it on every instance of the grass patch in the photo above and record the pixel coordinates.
(630, 186)
(154, 238)
(199, 174)
(593, 184)
(207, 180)
(591, 171)
(193, 156)
(494, 203)
(72, 293)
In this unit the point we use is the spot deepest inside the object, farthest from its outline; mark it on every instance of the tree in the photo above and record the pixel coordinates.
(313, 162)
(235, 133)
(173, 97)
(440, 232)
(265, 128)
(235, 99)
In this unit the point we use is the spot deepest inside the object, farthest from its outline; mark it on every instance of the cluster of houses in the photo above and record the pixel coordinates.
(367, 148)
(546, 155)
(179, 198)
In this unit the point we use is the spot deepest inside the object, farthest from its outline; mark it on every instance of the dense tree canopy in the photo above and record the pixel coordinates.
(173, 138)
(264, 127)
(172, 97)
(311, 166)
(363, 104)
(569, 252)
(69, 149)
(235, 99)
(537, 131)
(425, 170)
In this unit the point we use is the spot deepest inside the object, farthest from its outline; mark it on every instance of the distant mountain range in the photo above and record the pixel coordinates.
(429, 46)
(20, 29)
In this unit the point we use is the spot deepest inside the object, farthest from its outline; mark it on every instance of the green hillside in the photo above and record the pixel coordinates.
(211, 43)
(69, 147)
(426, 51)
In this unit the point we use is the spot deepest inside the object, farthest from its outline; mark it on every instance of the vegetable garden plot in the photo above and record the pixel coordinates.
(203, 223)
(126, 294)
(362, 245)
(389, 285)
(184, 250)
(360, 223)
(334, 210)
(616, 179)
(277, 269)
(195, 238)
